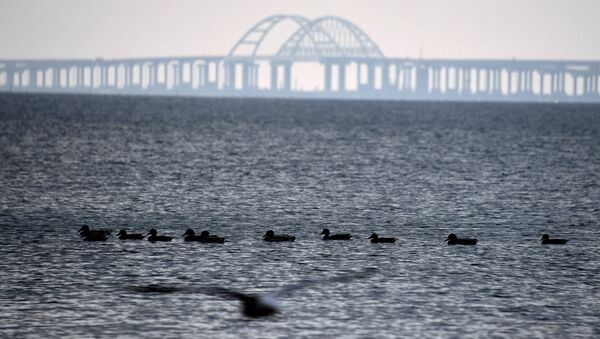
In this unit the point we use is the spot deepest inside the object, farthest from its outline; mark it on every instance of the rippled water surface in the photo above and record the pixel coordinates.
(503, 173)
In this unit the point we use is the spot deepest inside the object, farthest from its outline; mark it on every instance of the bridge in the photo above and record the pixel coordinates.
(348, 62)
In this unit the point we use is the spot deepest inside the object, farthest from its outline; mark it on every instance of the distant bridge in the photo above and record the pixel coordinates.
(348, 62)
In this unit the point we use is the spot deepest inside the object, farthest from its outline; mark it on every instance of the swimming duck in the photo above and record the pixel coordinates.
(154, 237)
(94, 237)
(376, 239)
(124, 236)
(271, 236)
(547, 241)
(85, 231)
(341, 236)
(204, 236)
(454, 240)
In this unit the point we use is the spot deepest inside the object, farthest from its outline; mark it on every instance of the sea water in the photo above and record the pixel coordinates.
(500, 172)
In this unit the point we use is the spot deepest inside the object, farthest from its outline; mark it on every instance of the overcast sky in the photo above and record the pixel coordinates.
(524, 29)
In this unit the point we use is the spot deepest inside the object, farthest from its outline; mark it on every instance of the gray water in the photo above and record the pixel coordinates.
(502, 173)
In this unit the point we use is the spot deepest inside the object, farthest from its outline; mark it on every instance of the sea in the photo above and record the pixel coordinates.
(504, 173)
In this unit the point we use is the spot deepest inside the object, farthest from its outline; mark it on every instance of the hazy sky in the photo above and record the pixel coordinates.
(548, 29)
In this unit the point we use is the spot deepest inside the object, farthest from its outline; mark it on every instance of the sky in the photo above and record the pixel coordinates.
(521, 29)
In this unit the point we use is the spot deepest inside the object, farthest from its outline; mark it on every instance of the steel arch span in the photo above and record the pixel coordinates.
(326, 36)
(330, 36)
(255, 36)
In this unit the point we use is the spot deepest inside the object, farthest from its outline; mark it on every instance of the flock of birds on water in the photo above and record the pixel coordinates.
(190, 235)
(259, 305)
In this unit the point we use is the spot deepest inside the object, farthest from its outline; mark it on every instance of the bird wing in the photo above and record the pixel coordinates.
(304, 283)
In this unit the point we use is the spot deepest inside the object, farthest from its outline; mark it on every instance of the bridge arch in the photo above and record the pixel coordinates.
(254, 37)
(330, 36)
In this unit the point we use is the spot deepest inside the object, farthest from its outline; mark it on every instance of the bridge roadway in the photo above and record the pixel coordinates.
(390, 78)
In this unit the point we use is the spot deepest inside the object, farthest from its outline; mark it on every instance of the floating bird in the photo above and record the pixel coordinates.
(547, 241)
(341, 236)
(154, 237)
(94, 237)
(204, 236)
(255, 305)
(271, 236)
(85, 231)
(124, 236)
(376, 239)
(454, 240)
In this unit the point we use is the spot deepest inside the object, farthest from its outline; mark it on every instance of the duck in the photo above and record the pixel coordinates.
(94, 237)
(271, 236)
(85, 231)
(547, 241)
(124, 236)
(204, 236)
(375, 239)
(154, 237)
(454, 240)
(341, 236)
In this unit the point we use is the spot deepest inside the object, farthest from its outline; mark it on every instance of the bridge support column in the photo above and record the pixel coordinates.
(33, 83)
(342, 77)
(407, 81)
(327, 83)
(422, 85)
(203, 75)
(56, 77)
(274, 76)
(370, 85)
(466, 87)
(287, 74)
(10, 77)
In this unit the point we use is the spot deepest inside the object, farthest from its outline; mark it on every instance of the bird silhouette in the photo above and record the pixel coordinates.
(204, 236)
(154, 237)
(328, 236)
(376, 239)
(271, 236)
(547, 241)
(123, 235)
(256, 305)
(454, 240)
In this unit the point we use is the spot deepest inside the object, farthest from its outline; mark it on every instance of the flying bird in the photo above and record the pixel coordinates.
(256, 305)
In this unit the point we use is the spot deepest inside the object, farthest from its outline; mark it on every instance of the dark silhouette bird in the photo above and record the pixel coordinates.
(85, 231)
(342, 236)
(93, 235)
(123, 235)
(204, 236)
(376, 239)
(454, 240)
(256, 305)
(271, 236)
(153, 237)
(547, 241)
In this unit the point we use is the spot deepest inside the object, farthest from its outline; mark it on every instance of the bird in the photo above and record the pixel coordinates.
(153, 237)
(376, 239)
(341, 236)
(124, 236)
(85, 231)
(271, 236)
(255, 305)
(547, 241)
(454, 240)
(204, 236)
(94, 237)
